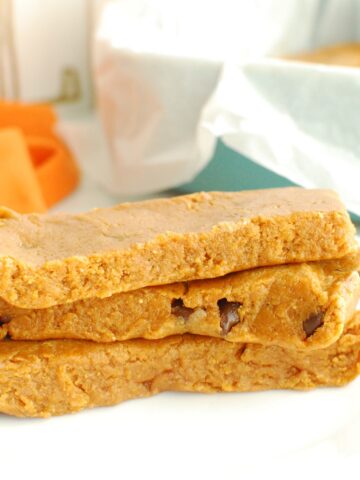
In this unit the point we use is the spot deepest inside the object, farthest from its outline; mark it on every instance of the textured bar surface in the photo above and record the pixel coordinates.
(299, 305)
(47, 260)
(63, 376)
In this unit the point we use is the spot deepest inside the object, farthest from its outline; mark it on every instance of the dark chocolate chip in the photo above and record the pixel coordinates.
(179, 310)
(148, 384)
(312, 323)
(4, 319)
(228, 315)
(7, 337)
(241, 351)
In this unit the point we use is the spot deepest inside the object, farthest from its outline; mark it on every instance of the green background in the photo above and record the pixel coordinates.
(230, 171)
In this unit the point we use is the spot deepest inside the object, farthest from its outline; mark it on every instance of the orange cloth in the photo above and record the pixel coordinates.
(36, 168)
(19, 187)
(55, 168)
(32, 119)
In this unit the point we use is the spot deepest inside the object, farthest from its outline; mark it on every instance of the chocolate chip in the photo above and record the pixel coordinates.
(228, 315)
(148, 384)
(312, 323)
(4, 319)
(7, 337)
(179, 310)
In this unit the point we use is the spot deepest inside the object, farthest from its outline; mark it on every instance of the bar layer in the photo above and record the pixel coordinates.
(47, 260)
(296, 306)
(40, 379)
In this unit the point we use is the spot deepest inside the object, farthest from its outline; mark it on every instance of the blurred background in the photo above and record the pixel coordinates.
(105, 101)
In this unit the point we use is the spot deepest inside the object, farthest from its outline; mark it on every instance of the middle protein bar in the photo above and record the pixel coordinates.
(304, 306)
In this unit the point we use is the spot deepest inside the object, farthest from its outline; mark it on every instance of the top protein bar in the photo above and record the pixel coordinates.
(47, 260)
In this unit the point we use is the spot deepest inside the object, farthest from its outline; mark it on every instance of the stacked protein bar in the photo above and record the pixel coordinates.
(206, 292)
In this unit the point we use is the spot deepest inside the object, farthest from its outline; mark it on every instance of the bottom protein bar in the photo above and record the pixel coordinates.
(41, 379)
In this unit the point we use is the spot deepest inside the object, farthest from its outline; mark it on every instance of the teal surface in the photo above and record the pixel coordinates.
(230, 171)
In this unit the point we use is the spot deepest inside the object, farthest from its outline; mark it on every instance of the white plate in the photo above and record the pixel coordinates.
(177, 435)
(186, 436)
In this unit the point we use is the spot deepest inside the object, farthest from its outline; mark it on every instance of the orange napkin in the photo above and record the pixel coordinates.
(32, 119)
(19, 187)
(36, 168)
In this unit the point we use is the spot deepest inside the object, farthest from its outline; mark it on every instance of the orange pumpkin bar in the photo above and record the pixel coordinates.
(47, 260)
(302, 306)
(346, 55)
(40, 379)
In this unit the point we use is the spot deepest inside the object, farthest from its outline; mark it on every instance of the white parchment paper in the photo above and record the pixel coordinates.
(173, 77)
(300, 120)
